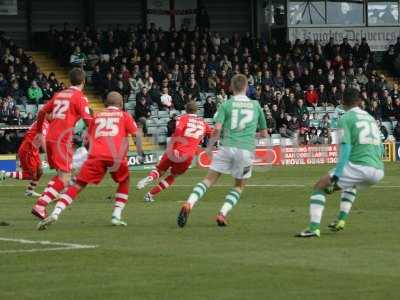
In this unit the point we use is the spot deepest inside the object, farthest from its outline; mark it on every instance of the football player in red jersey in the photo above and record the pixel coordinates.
(189, 132)
(108, 151)
(66, 108)
(29, 159)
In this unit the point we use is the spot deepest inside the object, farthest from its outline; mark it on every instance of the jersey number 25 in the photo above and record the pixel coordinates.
(106, 127)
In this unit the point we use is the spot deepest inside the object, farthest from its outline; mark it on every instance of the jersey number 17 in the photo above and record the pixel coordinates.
(241, 117)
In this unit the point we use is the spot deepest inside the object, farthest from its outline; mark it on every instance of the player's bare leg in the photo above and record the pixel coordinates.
(231, 200)
(162, 185)
(317, 205)
(198, 192)
(64, 201)
(55, 186)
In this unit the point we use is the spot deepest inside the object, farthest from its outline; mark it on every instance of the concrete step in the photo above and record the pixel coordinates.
(47, 64)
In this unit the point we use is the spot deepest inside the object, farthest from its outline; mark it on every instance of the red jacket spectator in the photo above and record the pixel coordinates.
(311, 96)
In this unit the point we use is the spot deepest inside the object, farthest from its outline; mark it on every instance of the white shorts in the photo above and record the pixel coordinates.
(233, 161)
(358, 176)
(80, 157)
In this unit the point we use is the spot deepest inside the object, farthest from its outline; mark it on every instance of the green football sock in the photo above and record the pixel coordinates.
(317, 204)
(230, 201)
(198, 192)
(347, 199)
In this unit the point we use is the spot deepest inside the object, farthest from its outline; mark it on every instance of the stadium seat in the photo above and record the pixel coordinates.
(174, 111)
(388, 126)
(164, 120)
(21, 108)
(130, 105)
(162, 139)
(163, 114)
(31, 108)
(152, 130)
(310, 109)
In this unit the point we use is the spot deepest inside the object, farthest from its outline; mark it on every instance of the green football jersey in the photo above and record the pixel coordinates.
(240, 117)
(359, 129)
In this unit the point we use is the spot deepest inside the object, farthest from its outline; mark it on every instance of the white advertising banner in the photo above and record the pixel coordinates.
(8, 7)
(185, 13)
(378, 38)
(158, 12)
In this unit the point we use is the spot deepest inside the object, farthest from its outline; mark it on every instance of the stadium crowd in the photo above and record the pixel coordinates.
(22, 85)
(299, 85)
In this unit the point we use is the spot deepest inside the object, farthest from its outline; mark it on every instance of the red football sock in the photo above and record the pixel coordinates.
(69, 196)
(54, 187)
(71, 193)
(121, 198)
(164, 184)
(32, 185)
(155, 174)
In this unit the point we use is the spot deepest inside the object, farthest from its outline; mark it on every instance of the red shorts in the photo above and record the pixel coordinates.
(177, 167)
(93, 171)
(29, 160)
(59, 156)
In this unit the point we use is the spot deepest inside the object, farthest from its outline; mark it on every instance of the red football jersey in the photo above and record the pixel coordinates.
(189, 132)
(108, 134)
(66, 108)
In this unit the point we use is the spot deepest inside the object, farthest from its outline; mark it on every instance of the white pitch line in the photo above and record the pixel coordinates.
(64, 246)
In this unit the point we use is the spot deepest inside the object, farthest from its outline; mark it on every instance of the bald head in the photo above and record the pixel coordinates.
(114, 99)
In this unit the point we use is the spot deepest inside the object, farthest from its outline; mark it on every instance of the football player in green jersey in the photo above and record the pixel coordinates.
(236, 124)
(359, 164)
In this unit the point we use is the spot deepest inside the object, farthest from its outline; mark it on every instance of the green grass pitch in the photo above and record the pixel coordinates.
(256, 257)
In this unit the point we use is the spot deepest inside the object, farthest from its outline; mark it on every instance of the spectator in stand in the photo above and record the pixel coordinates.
(396, 109)
(383, 131)
(171, 125)
(193, 89)
(78, 58)
(35, 94)
(54, 84)
(3, 85)
(301, 109)
(166, 99)
(294, 125)
(142, 113)
(210, 107)
(221, 97)
(47, 92)
(313, 137)
(17, 94)
(311, 96)
(109, 84)
(15, 117)
(387, 110)
(29, 119)
(396, 132)
(179, 99)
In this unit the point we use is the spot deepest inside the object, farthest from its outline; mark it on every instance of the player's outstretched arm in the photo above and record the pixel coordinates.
(42, 114)
(344, 155)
